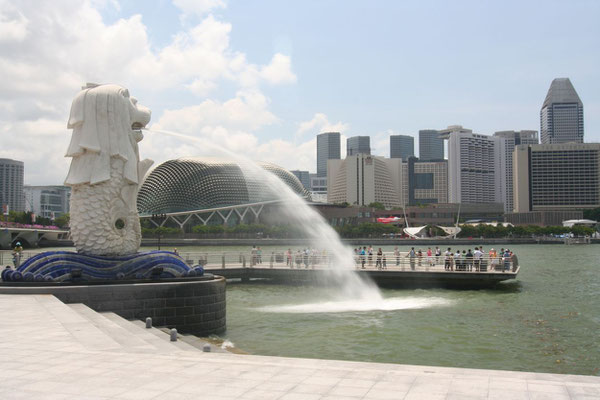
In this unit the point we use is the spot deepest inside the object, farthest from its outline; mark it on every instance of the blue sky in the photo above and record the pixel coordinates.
(289, 69)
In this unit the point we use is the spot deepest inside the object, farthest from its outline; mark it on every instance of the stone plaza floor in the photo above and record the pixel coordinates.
(50, 350)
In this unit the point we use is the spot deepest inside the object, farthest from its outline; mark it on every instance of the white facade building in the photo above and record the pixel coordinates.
(363, 179)
(475, 163)
(47, 201)
(507, 148)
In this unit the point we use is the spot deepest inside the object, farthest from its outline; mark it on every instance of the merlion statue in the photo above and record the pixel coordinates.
(106, 170)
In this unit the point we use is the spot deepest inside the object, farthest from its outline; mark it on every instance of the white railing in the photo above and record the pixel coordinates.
(402, 261)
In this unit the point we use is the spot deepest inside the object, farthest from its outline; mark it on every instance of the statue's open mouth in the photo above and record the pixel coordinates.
(137, 126)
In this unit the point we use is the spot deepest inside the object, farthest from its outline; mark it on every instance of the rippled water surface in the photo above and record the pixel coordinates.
(548, 320)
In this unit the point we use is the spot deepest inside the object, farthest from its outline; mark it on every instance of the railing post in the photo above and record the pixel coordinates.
(223, 261)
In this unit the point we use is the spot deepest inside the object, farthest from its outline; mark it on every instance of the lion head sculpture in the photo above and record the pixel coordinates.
(105, 171)
(105, 122)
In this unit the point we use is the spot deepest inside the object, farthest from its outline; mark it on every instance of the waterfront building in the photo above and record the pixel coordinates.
(474, 166)
(11, 185)
(402, 146)
(561, 116)
(328, 148)
(47, 201)
(507, 147)
(212, 191)
(303, 177)
(363, 179)
(358, 145)
(444, 214)
(431, 146)
(425, 182)
(562, 176)
(318, 188)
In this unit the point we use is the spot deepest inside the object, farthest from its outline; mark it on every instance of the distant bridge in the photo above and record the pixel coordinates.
(29, 237)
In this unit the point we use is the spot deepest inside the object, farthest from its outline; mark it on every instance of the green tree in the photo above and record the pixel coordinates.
(377, 205)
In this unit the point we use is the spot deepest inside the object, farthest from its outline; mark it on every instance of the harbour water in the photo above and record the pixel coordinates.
(548, 320)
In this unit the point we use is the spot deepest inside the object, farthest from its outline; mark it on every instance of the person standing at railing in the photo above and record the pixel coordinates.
(288, 258)
(477, 254)
(430, 256)
(378, 263)
(458, 261)
(259, 255)
(397, 255)
(507, 257)
(438, 255)
(363, 253)
(412, 255)
(448, 259)
(469, 258)
(419, 257)
(370, 254)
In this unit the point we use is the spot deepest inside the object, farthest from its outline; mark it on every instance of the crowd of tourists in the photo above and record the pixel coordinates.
(465, 260)
(367, 257)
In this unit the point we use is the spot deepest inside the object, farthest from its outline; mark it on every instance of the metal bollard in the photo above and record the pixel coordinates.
(173, 335)
(148, 323)
(206, 348)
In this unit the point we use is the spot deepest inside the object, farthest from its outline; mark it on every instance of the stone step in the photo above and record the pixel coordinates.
(128, 340)
(79, 327)
(159, 340)
(165, 336)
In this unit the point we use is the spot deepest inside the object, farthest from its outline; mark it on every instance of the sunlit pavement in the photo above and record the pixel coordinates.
(54, 351)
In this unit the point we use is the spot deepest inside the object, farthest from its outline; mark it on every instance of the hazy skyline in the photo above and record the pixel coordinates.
(265, 77)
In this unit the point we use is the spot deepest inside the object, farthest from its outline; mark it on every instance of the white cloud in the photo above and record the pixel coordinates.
(320, 123)
(279, 70)
(49, 49)
(198, 7)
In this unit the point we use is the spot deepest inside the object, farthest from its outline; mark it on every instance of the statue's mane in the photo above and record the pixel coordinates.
(101, 123)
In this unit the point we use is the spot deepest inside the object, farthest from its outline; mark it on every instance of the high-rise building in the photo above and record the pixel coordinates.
(47, 201)
(363, 179)
(561, 117)
(303, 177)
(402, 146)
(473, 162)
(507, 147)
(358, 145)
(11, 185)
(562, 176)
(425, 182)
(328, 148)
(431, 146)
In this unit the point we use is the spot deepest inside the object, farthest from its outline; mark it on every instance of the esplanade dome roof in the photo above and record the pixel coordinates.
(190, 184)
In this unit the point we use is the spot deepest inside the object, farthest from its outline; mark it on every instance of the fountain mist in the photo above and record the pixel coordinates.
(321, 236)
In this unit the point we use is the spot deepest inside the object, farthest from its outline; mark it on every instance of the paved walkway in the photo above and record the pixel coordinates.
(53, 351)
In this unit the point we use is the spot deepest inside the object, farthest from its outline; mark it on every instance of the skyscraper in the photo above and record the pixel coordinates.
(431, 146)
(473, 165)
(507, 147)
(402, 146)
(11, 184)
(358, 145)
(328, 148)
(561, 117)
(303, 177)
(557, 177)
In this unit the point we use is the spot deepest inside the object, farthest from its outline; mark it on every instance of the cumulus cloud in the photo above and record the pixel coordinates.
(318, 124)
(198, 7)
(49, 49)
(279, 70)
